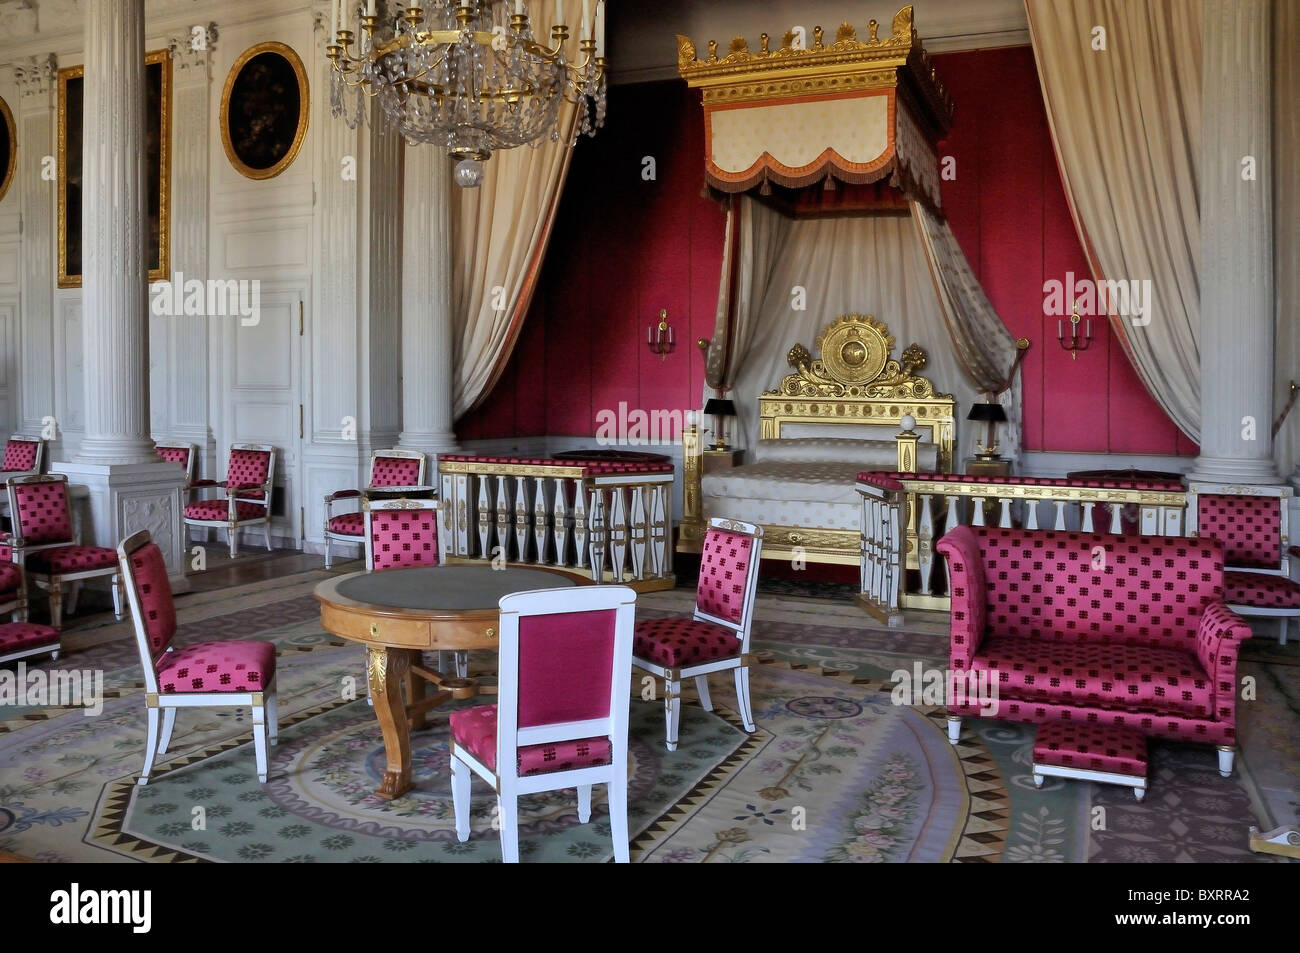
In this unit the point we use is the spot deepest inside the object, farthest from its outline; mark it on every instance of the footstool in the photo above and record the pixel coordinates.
(21, 639)
(1103, 753)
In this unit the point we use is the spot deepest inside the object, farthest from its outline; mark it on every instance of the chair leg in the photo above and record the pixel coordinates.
(460, 780)
(70, 603)
(232, 537)
(1227, 755)
(267, 533)
(1281, 634)
(462, 664)
(56, 605)
(584, 803)
(742, 696)
(702, 689)
(508, 808)
(259, 740)
(117, 596)
(672, 712)
(954, 730)
(168, 723)
(618, 814)
(272, 717)
(150, 744)
(329, 552)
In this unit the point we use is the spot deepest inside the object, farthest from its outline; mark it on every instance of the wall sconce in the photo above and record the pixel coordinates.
(660, 337)
(1074, 344)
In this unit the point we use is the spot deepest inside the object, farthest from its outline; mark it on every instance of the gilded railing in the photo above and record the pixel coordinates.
(613, 520)
(900, 568)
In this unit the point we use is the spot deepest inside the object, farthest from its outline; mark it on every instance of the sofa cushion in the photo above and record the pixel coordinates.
(1091, 747)
(1070, 587)
(1260, 591)
(1098, 675)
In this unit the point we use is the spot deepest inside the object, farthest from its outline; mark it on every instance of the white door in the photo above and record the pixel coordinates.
(264, 395)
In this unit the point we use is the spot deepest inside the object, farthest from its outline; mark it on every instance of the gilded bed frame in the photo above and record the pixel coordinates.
(853, 381)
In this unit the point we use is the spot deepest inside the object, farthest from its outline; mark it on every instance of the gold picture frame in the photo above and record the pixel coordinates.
(8, 148)
(158, 84)
(267, 158)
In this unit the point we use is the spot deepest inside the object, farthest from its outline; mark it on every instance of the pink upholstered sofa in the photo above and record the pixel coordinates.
(1128, 631)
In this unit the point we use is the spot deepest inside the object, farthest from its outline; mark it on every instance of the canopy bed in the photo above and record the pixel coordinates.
(825, 152)
(835, 416)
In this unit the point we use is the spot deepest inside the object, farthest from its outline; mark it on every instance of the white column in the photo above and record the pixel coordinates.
(130, 488)
(114, 231)
(427, 344)
(36, 197)
(1236, 278)
(381, 327)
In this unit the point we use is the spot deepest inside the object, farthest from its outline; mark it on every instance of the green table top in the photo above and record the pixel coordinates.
(447, 588)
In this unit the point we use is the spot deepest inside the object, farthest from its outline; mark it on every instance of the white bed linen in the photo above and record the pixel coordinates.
(786, 493)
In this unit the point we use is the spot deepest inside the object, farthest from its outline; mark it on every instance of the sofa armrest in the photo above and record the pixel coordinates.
(1218, 640)
(969, 612)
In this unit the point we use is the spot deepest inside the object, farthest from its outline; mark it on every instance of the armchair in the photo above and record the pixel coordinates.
(387, 468)
(249, 479)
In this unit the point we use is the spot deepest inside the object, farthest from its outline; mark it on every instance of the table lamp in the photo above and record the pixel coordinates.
(992, 414)
(719, 408)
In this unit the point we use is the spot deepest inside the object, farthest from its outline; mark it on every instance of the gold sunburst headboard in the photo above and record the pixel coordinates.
(855, 380)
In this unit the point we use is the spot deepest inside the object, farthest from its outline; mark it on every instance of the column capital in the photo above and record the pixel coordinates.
(36, 76)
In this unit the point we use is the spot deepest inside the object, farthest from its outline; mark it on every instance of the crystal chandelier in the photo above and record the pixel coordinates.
(467, 75)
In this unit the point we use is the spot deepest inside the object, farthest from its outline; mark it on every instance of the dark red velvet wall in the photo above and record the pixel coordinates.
(624, 247)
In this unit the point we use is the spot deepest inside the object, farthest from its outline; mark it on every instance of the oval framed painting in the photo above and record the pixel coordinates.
(8, 147)
(264, 110)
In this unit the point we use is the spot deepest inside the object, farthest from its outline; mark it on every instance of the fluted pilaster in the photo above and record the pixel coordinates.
(383, 325)
(1236, 275)
(114, 231)
(427, 341)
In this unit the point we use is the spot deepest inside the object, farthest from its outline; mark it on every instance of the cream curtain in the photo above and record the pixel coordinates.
(870, 264)
(755, 233)
(1126, 126)
(500, 232)
(1286, 213)
(979, 338)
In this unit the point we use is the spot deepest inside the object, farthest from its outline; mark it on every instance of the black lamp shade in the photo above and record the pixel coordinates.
(720, 407)
(987, 413)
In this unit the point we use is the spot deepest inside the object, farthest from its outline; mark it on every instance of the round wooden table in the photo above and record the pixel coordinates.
(400, 613)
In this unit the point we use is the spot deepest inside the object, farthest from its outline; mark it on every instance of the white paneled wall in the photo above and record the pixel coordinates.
(304, 377)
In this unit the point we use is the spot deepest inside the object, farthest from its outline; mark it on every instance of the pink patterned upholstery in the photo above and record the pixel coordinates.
(217, 511)
(42, 515)
(1249, 527)
(675, 643)
(348, 524)
(17, 636)
(890, 480)
(588, 467)
(70, 559)
(241, 666)
(179, 455)
(1092, 748)
(565, 666)
(248, 468)
(1094, 674)
(20, 455)
(475, 730)
(404, 538)
(1143, 641)
(152, 588)
(1260, 591)
(11, 578)
(724, 567)
(395, 471)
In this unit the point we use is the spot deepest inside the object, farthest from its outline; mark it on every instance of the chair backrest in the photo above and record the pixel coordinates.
(1250, 522)
(24, 453)
(149, 594)
(182, 453)
(400, 533)
(729, 563)
(397, 468)
(251, 464)
(565, 655)
(39, 508)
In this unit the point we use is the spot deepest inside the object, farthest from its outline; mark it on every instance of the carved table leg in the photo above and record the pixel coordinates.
(414, 693)
(386, 670)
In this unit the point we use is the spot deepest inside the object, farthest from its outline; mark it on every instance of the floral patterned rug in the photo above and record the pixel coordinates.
(835, 772)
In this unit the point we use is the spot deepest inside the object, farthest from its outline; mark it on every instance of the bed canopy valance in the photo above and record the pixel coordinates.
(782, 128)
(851, 110)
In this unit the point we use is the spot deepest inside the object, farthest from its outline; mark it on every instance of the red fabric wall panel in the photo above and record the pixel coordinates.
(625, 246)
